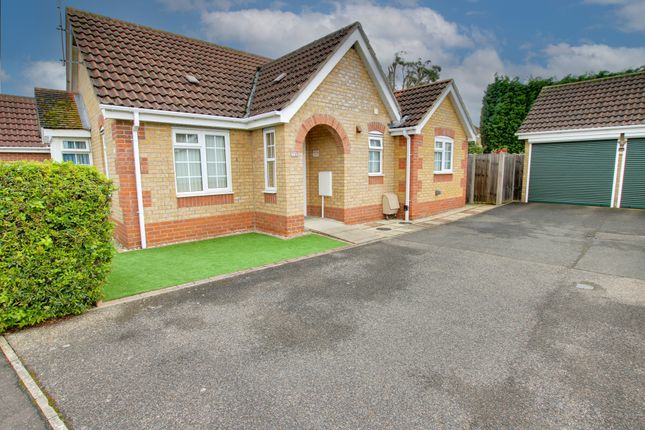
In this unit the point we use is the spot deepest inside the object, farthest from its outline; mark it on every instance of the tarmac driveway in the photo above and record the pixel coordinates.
(477, 323)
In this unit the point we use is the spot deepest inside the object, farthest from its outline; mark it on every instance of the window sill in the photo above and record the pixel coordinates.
(375, 174)
(202, 193)
(444, 172)
(270, 191)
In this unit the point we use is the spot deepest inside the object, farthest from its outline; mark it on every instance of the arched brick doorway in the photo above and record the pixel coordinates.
(324, 143)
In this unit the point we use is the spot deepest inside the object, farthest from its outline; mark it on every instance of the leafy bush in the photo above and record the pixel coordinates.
(55, 240)
(473, 148)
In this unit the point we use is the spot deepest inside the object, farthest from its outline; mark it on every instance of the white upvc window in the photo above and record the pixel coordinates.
(202, 162)
(443, 150)
(375, 160)
(76, 151)
(270, 175)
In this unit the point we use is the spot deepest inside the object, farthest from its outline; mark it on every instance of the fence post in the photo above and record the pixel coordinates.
(472, 168)
(499, 195)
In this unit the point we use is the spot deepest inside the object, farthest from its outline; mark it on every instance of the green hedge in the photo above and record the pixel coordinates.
(55, 240)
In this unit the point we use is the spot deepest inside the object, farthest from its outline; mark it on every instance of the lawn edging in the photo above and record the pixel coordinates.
(153, 293)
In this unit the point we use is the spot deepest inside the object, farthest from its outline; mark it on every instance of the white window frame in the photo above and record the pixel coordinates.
(201, 145)
(267, 188)
(375, 136)
(443, 140)
(58, 150)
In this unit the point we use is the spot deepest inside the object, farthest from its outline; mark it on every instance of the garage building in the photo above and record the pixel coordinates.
(585, 143)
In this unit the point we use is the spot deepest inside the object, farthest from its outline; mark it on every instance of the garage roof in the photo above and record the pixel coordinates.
(606, 102)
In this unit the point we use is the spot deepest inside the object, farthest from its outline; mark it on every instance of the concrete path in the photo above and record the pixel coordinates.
(526, 316)
(17, 412)
(377, 230)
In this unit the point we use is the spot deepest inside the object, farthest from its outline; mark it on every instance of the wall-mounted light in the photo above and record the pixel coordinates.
(359, 129)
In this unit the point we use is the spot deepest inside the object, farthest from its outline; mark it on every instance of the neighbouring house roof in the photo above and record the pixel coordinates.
(418, 101)
(298, 66)
(597, 103)
(139, 67)
(57, 109)
(19, 122)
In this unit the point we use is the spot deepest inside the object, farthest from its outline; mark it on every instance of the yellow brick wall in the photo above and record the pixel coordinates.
(91, 101)
(156, 146)
(321, 141)
(444, 117)
(350, 96)
(86, 90)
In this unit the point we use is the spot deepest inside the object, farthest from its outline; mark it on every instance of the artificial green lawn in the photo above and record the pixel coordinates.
(150, 269)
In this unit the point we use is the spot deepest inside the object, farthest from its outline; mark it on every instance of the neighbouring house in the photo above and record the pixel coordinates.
(46, 126)
(203, 140)
(585, 143)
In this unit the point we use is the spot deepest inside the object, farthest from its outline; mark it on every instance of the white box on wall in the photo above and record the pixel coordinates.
(324, 184)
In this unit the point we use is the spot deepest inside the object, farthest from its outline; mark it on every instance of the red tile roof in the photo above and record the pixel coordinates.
(299, 67)
(606, 102)
(137, 66)
(19, 122)
(57, 109)
(416, 102)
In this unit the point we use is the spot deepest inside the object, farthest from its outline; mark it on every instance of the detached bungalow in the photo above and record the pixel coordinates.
(203, 140)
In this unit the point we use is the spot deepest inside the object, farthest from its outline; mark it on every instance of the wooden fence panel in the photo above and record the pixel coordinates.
(494, 178)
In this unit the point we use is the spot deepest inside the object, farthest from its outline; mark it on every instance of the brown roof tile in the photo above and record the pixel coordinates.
(299, 67)
(136, 66)
(57, 109)
(606, 102)
(19, 122)
(416, 102)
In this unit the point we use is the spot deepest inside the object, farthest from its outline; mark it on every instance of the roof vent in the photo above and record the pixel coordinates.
(279, 77)
(192, 79)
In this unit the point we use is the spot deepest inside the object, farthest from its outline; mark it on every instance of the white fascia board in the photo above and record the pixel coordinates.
(192, 120)
(355, 38)
(457, 101)
(24, 149)
(404, 130)
(50, 132)
(583, 134)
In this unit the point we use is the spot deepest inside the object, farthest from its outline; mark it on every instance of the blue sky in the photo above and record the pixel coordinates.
(471, 39)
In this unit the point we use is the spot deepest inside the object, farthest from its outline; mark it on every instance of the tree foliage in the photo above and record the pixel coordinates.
(507, 101)
(402, 74)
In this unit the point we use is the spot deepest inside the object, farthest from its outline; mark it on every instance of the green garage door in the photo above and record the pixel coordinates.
(580, 173)
(633, 195)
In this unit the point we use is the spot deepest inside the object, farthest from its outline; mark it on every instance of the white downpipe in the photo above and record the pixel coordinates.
(622, 173)
(406, 207)
(137, 178)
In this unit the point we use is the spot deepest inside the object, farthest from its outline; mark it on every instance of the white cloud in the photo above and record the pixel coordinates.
(563, 59)
(469, 55)
(45, 74)
(630, 12)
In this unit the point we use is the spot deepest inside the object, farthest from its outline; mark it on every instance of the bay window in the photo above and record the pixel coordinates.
(202, 162)
(443, 154)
